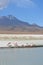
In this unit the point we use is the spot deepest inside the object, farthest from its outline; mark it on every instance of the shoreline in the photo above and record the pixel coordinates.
(37, 46)
(20, 41)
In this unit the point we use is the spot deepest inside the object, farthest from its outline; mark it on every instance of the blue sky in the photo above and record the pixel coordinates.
(30, 11)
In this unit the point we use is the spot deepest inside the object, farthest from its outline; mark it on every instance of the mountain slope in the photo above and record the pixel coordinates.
(10, 24)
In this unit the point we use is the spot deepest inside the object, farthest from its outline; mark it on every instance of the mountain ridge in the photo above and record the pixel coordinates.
(10, 24)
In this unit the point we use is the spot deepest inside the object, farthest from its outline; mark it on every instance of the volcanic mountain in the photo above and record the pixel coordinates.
(11, 25)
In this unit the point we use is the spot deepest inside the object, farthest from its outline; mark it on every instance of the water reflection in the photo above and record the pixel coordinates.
(28, 56)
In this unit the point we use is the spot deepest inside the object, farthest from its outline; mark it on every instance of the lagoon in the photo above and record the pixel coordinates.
(22, 56)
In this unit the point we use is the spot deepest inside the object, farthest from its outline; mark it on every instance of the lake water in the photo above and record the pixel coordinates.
(21, 56)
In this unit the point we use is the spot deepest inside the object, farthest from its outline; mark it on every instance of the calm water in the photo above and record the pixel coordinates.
(26, 56)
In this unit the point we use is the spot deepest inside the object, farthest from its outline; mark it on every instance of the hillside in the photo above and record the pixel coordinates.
(10, 24)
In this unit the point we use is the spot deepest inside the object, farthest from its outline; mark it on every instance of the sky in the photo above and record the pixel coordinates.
(30, 11)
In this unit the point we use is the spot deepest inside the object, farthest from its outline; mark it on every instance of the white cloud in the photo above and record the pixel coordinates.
(20, 3)
(23, 3)
(3, 3)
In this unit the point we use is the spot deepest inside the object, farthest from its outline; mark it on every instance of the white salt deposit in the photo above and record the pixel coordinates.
(4, 42)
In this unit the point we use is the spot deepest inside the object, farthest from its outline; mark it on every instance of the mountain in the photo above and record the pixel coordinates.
(10, 24)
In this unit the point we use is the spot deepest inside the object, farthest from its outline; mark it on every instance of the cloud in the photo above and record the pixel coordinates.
(3, 4)
(19, 3)
(23, 3)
